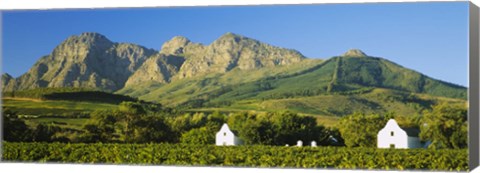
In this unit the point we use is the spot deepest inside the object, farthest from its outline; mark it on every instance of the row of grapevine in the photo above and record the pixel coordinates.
(238, 156)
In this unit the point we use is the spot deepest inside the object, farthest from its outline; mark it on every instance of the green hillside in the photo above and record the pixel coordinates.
(374, 101)
(25, 106)
(71, 102)
(188, 91)
(335, 87)
(358, 72)
(69, 94)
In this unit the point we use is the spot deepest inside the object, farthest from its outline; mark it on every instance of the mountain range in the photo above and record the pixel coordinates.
(233, 71)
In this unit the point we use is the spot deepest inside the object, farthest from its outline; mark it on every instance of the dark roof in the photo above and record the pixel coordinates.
(412, 131)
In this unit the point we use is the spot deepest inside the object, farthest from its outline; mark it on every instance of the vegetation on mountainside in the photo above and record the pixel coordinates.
(69, 94)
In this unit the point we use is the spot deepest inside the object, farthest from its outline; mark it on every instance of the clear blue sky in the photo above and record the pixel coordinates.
(429, 37)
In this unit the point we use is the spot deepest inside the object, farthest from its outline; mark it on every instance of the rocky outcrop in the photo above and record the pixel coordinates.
(159, 68)
(7, 82)
(89, 60)
(226, 53)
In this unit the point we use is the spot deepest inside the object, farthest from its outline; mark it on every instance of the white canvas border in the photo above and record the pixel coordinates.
(75, 4)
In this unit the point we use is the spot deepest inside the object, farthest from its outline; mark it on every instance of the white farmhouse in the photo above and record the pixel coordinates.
(392, 136)
(226, 137)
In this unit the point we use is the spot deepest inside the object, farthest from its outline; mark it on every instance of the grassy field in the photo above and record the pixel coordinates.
(27, 106)
(71, 123)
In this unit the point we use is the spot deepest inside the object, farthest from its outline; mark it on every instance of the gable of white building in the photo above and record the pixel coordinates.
(392, 136)
(226, 137)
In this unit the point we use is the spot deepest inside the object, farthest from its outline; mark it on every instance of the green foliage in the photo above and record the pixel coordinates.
(151, 128)
(445, 126)
(278, 128)
(290, 126)
(134, 122)
(39, 93)
(184, 123)
(70, 94)
(187, 122)
(360, 130)
(125, 126)
(257, 131)
(202, 136)
(239, 156)
(100, 127)
(14, 129)
(55, 108)
(48, 133)
(132, 108)
(17, 129)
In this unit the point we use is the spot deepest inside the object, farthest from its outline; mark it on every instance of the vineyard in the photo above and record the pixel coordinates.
(238, 156)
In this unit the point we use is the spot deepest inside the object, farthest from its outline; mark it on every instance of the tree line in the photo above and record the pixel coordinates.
(445, 126)
(135, 122)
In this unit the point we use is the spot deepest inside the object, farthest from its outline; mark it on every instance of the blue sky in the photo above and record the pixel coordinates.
(429, 37)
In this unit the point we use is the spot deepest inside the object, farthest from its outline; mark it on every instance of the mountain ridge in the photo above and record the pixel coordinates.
(227, 52)
(80, 61)
(233, 68)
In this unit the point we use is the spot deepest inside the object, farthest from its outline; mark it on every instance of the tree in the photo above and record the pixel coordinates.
(100, 127)
(180, 123)
(278, 128)
(14, 129)
(151, 128)
(133, 108)
(45, 132)
(203, 135)
(445, 126)
(360, 130)
(258, 132)
(236, 120)
(130, 112)
(290, 127)
(216, 119)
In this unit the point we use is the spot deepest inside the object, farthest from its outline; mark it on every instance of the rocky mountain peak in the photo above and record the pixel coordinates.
(232, 51)
(175, 46)
(355, 53)
(6, 76)
(232, 37)
(81, 44)
(91, 37)
(88, 60)
(6, 82)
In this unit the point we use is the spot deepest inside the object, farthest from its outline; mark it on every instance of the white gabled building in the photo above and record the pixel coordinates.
(392, 136)
(226, 137)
